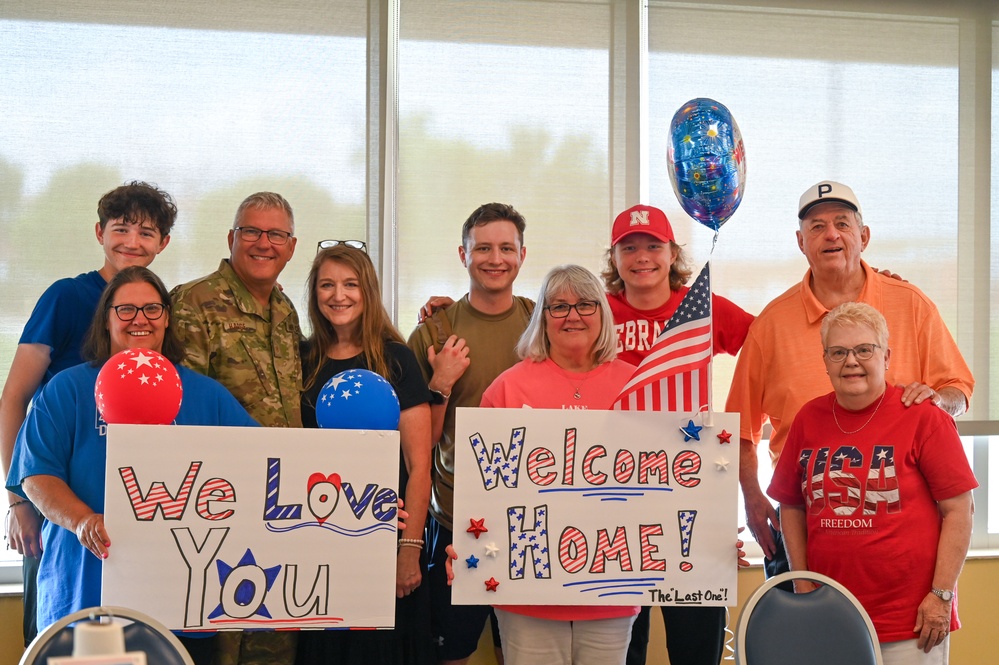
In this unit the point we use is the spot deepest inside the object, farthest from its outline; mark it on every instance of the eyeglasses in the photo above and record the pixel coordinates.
(252, 234)
(151, 311)
(356, 244)
(583, 308)
(838, 354)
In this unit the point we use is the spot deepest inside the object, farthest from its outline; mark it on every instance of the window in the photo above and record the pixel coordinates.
(870, 99)
(867, 100)
(211, 104)
(494, 105)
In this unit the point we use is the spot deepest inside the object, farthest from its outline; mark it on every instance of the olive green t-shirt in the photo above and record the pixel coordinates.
(491, 340)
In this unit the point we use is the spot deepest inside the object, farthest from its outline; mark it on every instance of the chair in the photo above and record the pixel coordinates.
(827, 626)
(143, 634)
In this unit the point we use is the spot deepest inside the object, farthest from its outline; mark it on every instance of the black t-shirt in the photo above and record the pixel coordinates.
(406, 379)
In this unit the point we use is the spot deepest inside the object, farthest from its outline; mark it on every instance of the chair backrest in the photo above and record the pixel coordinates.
(827, 626)
(144, 633)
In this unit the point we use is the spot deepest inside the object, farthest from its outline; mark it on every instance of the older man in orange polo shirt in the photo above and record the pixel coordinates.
(780, 367)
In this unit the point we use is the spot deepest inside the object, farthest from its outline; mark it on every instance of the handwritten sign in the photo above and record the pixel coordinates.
(564, 507)
(216, 528)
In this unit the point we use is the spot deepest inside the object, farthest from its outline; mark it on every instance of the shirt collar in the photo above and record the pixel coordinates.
(814, 310)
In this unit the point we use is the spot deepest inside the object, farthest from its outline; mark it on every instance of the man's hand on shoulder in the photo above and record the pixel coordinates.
(433, 304)
(949, 399)
(889, 273)
(448, 364)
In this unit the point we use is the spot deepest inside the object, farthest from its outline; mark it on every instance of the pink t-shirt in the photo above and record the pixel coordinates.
(545, 385)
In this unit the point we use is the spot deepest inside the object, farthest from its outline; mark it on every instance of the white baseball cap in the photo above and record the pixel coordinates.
(827, 191)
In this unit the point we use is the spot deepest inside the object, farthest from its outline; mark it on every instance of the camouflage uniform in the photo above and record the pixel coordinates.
(253, 352)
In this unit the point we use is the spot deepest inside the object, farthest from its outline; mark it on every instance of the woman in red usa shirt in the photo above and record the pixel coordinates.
(877, 495)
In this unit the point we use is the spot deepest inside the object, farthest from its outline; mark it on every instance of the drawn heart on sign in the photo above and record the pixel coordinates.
(324, 495)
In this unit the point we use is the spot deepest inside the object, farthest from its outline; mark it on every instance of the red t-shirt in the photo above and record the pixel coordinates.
(637, 329)
(872, 520)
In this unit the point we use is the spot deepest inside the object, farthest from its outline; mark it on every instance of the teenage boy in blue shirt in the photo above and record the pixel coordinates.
(134, 223)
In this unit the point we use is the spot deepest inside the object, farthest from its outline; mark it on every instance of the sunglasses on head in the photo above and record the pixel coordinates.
(356, 244)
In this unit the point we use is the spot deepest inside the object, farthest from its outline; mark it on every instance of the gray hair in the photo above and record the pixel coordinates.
(856, 314)
(856, 214)
(582, 283)
(264, 201)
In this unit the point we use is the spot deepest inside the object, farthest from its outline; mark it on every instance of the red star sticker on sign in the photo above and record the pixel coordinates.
(477, 527)
(725, 437)
(491, 584)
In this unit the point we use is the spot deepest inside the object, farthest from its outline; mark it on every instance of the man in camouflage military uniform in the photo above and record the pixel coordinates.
(240, 329)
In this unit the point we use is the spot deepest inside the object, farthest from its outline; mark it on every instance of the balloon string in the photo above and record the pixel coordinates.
(729, 638)
(714, 242)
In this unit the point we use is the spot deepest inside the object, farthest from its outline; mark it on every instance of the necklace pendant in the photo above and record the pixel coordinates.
(577, 395)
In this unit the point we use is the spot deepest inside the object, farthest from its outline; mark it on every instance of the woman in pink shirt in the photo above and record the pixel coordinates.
(569, 361)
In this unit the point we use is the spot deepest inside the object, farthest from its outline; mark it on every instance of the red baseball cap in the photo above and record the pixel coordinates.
(642, 219)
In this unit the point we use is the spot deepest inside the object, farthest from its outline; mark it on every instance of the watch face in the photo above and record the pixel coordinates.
(945, 594)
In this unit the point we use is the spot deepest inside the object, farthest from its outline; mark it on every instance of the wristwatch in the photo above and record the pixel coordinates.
(946, 595)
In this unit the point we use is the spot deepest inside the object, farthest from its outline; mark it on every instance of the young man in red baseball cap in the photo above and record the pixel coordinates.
(645, 279)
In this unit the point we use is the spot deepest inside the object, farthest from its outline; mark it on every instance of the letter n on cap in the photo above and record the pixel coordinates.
(639, 218)
(824, 188)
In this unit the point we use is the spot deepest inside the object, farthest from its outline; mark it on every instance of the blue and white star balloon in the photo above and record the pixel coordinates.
(358, 399)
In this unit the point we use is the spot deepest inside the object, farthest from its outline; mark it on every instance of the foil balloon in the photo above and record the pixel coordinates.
(707, 161)
(138, 387)
(357, 399)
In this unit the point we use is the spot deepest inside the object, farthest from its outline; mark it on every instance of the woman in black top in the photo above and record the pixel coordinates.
(352, 330)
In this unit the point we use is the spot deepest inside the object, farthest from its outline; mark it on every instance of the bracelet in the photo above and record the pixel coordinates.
(404, 544)
(18, 503)
(411, 541)
(444, 396)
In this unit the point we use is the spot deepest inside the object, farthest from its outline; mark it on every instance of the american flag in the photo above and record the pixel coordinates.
(674, 376)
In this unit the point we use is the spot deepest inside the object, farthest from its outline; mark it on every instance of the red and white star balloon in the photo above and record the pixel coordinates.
(138, 387)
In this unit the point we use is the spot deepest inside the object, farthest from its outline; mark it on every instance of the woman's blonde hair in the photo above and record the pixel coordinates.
(856, 314)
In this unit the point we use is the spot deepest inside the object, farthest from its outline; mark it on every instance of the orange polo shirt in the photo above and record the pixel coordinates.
(780, 367)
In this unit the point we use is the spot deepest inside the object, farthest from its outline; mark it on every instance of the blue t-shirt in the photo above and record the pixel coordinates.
(61, 318)
(64, 436)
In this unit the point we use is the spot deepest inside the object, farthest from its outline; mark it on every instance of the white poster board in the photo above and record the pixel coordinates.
(595, 508)
(217, 528)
